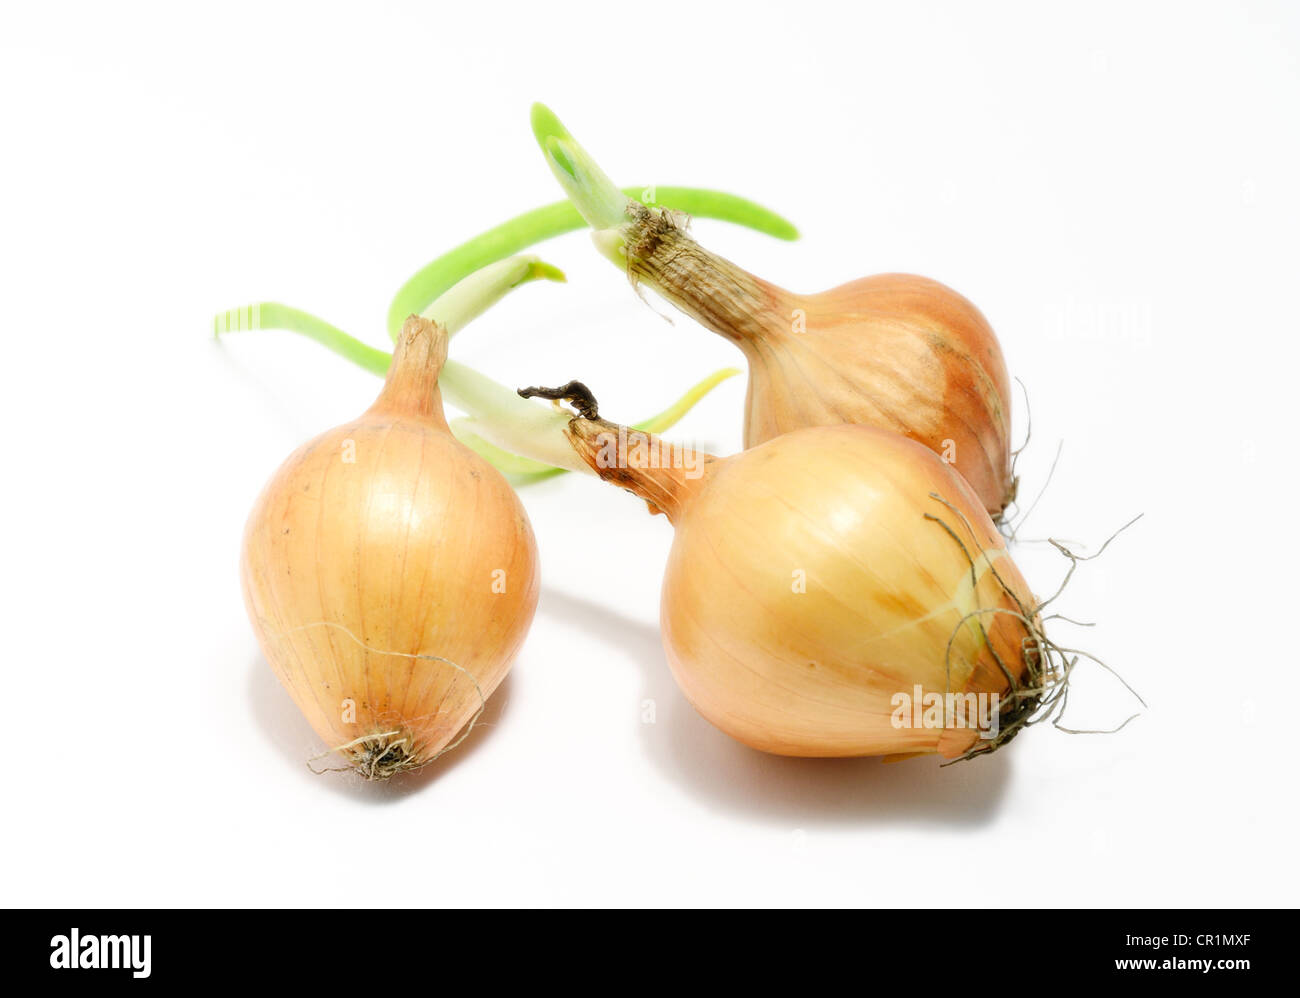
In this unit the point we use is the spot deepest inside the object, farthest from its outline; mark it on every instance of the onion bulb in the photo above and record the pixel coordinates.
(835, 591)
(895, 351)
(390, 573)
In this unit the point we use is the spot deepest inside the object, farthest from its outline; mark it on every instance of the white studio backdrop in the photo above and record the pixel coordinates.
(1113, 184)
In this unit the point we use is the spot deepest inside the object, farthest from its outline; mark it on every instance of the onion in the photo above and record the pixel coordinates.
(391, 574)
(894, 351)
(826, 589)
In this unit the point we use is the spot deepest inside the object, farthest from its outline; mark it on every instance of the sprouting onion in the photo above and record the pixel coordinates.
(390, 573)
(897, 351)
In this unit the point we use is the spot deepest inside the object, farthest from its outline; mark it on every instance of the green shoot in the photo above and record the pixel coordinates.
(502, 425)
(438, 276)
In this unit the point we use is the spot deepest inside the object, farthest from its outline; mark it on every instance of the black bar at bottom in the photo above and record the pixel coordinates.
(980, 949)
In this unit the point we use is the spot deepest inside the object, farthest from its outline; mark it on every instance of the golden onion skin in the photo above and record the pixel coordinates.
(813, 577)
(378, 550)
(898, 352)
(894, 351)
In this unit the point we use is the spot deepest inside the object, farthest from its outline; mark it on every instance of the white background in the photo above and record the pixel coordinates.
(1115, 188)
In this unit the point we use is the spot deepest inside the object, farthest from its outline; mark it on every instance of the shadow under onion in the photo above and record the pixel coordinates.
(728, 776)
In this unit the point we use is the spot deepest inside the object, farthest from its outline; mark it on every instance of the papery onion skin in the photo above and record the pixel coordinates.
(390, 573)
(811, 579)
(895, 351)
